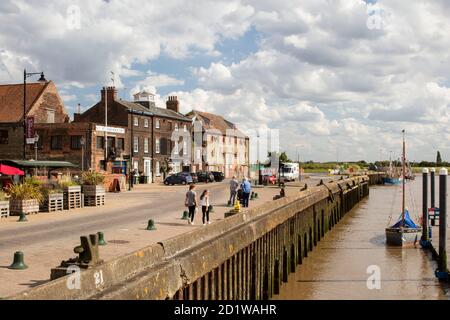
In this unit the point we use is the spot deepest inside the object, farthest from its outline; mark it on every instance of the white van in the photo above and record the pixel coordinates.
(290, 171)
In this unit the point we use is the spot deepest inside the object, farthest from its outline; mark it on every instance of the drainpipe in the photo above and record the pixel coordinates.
(153, 151)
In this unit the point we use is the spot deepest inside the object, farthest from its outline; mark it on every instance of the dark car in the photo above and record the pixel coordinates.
(194, 177)
(205, 176)
(218, 176)
(178, 178)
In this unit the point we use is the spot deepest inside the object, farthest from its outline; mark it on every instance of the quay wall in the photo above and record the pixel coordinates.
(245, 256)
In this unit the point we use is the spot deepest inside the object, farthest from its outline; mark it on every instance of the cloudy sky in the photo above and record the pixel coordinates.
(339, 79)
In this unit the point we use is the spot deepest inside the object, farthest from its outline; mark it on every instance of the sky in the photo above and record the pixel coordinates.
(333, 79)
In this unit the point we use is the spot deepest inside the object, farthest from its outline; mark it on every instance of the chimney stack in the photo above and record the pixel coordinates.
(173, 104)
(112, 94)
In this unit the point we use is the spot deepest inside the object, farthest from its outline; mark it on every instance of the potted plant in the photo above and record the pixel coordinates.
(53, 198)
(93, 188)
(4, 205)
(24, 197)
(71, 191)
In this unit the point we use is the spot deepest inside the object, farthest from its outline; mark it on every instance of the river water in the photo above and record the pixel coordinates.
(354, 250)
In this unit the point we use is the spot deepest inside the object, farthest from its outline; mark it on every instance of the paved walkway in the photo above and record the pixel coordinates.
(48, 238)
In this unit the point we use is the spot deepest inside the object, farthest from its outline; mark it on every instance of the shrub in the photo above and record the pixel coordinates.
(66, 181)
(92, 178)
(3, 196)
(25, 191)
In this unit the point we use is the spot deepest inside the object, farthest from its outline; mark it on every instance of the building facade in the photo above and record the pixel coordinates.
(43, 105)
(218, 145)
(153, 132)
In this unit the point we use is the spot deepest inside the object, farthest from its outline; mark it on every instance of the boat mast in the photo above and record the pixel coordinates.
(403, 179)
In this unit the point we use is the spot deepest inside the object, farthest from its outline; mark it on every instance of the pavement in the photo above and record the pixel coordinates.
(48, 238)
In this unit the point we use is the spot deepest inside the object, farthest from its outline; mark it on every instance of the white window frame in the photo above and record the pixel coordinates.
(146, 123)
(176, 126)
(145, 145)
(157, 124)
(136, 121)
(185, 150)
(157, 145)
(185, 128)
(157, 169)
(136, 144)
(176, 150)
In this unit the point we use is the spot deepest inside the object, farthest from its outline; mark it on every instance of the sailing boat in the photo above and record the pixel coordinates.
(393, 175)
(404, 231)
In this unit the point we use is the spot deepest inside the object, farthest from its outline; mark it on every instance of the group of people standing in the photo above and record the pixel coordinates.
(240, 191)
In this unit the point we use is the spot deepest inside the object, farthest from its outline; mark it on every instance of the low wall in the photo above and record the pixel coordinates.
(245, 256)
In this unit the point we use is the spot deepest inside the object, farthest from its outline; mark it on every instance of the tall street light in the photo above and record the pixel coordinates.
(257, 158)
(25, 76)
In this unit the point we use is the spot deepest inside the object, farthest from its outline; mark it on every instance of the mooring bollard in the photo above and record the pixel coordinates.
(23, 217)
(424, 241)
(443, 221)
(185, 215)
(151, 225)
(101, 239)
(18, 262)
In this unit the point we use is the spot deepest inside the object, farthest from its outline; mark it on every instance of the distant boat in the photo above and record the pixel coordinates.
(404, 231)
(393, 175)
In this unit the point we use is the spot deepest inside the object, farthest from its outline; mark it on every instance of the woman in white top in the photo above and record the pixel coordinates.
(204, 202)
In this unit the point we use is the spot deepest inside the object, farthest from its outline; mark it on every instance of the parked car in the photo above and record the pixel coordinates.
(194, 177)
(218, 176)
(269, 179)
(178, 178)
(205, 176)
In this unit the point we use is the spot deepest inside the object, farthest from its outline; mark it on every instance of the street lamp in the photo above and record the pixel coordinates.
(257, 158)
(25, 76)
(82, 143)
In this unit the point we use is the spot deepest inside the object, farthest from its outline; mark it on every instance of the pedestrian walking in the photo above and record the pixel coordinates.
(191, 203)
(204, 202)
(246, 189)
(234, 185)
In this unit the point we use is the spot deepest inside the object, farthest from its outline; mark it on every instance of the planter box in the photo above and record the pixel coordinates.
(72, 197)
(53, 202)
(16, 207)
(93, 190)
(72, 189)
(4, 209)
(94, 195)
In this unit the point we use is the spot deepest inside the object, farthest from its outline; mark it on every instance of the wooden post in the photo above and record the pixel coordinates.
(424, 240)
(432, 185)
(443, 220)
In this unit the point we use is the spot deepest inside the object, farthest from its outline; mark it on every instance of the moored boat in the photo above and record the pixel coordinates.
(404, 231)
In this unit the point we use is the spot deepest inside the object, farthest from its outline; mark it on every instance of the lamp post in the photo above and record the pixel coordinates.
(25, 76)
(257, 158)
(82, 143)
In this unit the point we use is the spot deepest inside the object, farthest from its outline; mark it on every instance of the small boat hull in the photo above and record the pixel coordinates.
(392, 181)
(402, 236)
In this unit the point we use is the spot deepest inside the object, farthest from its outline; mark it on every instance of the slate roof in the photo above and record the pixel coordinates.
(11, 100)
(214, 121)
(160, 112)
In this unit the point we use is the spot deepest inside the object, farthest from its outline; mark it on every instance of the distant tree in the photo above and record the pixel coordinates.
(438, 159)
(284, 157)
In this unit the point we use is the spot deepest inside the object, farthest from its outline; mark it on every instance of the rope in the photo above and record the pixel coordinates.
(392, 208)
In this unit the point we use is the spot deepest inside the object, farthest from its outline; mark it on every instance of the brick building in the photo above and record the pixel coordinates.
(150, 131)
(219, 145)
(81, 143)
(43, 104)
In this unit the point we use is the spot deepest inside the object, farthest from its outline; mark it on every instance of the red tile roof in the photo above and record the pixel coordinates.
(11, 100)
